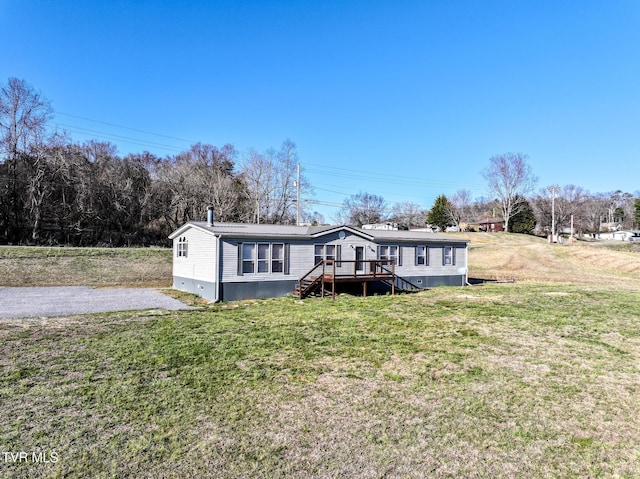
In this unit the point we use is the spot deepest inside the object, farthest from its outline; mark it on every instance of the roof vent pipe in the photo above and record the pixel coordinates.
(210, 216)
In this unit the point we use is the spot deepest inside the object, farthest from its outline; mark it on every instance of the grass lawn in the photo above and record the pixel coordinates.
(33, 266)
(525, 380)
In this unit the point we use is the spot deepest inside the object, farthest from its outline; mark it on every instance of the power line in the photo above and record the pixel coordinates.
(386, 193)
(113, 136)
(384, 176)
(126, 127)
(323, 203)
(389, 179)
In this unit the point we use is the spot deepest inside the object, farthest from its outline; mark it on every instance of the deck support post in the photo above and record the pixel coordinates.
(393, 279)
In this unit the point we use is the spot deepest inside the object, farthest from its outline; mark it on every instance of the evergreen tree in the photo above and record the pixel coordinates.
(440, 213)
(524, 221)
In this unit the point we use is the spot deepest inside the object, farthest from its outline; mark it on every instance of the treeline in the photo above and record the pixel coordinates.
(85, 194)
(556, 207)
(56, 191)
(514, 203)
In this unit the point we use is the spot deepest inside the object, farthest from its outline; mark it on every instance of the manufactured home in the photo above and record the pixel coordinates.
(229, 261)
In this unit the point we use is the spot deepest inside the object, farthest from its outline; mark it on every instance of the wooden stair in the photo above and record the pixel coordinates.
(328, 273)
(308, 286)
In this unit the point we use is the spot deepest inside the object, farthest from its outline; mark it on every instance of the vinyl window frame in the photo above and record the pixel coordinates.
(182, 247)
(385, 253)
(421, 259)
(448, 256)
(321, 253)
(260, 258)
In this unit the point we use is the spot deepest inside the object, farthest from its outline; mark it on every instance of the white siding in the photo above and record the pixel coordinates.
(201, 256)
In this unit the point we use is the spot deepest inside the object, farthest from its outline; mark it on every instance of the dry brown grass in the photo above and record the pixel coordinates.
(26, 266)
(522, 257)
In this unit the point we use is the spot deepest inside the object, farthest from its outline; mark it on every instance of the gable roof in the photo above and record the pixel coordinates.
(268, 231)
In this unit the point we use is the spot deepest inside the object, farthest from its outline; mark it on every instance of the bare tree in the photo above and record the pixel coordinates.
(270, 179)
(363, 208)
(314, 218)
(510, 179)
(594, 212)
(202, 176)
(407, 214)
(259, 176)
(569, 202)
(619, 208)
(24, 114)
(459, 207)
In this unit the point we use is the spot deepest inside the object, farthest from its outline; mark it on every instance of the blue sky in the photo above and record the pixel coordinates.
(404, 99)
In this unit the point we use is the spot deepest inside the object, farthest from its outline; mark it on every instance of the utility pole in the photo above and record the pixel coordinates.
(553, 190)
(298, 198)
(572, 238)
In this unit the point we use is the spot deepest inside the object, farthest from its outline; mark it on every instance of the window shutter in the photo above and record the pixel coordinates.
(415, 256)
(399, 255)
(453, 255)
(444, 255)
(286, 258)
(239, 259)
(426, 255)
(338, 255)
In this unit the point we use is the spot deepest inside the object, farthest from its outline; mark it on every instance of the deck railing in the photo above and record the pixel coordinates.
(335, 271)
(331, 271)
(355, 268)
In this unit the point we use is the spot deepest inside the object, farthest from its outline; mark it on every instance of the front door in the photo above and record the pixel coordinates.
(359, 259)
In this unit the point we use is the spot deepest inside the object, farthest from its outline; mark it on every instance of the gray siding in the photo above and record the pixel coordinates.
(237, 291)
(196, 273)
(435, 266)
(301, 258)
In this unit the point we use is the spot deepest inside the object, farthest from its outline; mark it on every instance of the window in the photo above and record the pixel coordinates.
(422, 256)
(277, 258)
(183, 247)
(390, 253)
(448, 256)
(328, 251)
(248, 258)
(262, 258)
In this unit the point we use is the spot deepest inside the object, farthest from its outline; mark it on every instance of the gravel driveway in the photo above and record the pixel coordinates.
(69, 300)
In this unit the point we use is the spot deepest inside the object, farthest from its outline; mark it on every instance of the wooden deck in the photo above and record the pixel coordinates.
(326, 274)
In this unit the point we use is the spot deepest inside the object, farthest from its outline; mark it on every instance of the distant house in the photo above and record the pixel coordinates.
(626, 235)
(491, 225)
(228, 261)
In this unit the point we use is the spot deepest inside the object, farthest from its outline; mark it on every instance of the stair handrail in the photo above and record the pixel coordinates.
(401, 282)
(309, 273)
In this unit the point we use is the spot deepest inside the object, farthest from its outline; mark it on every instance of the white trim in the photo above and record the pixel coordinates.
(188, 226)
(343, 228)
